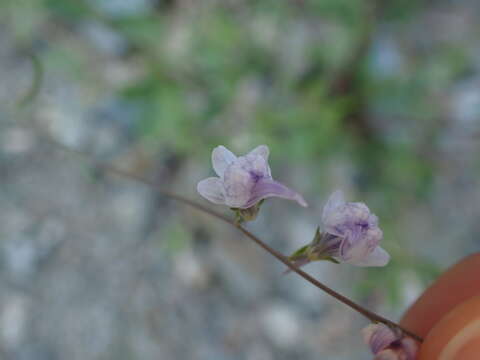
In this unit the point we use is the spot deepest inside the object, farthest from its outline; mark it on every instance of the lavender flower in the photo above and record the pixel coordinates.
(351, 235)
(386, 344)
(352, 231)
(243, 181)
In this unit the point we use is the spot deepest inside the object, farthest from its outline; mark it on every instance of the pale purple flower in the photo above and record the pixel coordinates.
(387, 344)
(243, 181)
(378, 337)
(351, 233)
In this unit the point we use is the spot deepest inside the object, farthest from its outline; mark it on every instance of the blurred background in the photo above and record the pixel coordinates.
(378, 98)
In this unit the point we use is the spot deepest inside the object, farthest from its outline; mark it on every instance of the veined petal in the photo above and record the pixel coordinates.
(261, 150)
(378, 257)
(266, 188)
(221, 158)
(212, 190)
(386, 344)
(378, 337)
(357, 211)
(238, 183)
(354, 248)
(256, 165)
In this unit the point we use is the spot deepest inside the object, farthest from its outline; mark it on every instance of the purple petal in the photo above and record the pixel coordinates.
(212, 190)
(261, 150)
(256, 165)
(354, 247)
(372, 220)
(266, 188)
(348, 215)
(410, 348)
(221, 159)
(238, 183)
(359, 212)
(378, 337)
(378, 257)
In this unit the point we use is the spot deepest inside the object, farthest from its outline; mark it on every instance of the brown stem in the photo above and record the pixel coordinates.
(365, 312)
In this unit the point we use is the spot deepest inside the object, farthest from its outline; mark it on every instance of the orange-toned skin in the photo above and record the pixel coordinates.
(456, 336)
(470, 351)
(453, 287)
(456, 293)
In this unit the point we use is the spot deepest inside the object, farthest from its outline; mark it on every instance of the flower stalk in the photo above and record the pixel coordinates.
(373, 317)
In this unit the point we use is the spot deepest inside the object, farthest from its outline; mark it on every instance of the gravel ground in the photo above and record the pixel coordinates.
(95, 266)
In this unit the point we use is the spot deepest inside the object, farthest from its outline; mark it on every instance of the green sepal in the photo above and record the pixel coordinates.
(249, 214)
(313, 250)
(300, 252)
(318, 237)
(331, 259)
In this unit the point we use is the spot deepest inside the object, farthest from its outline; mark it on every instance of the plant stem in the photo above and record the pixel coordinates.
(365, 312)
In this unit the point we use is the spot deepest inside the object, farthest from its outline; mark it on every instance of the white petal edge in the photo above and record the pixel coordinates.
(261, 150)
(221, 158)
(387, 355)
(212, 190)
(335, 200)
(368, 331)
(378, 257)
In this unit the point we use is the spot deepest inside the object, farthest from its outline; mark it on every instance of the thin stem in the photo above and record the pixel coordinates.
(365, 312)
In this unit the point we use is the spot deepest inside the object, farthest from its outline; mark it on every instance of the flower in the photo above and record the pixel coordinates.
(386, 344)
(243, 181)
(352, 231)
(351, 235)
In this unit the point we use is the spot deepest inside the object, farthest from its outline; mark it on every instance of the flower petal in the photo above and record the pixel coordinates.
(221, 158)
(238, 183)
(378, 257)
(387, 344)
(347, 216)
(330, 211)
(256, 165)
(353, 251)
(387, 355)
(266, 188)
(261, 150)
(378, 337)
(410, 348)
(212, 190)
